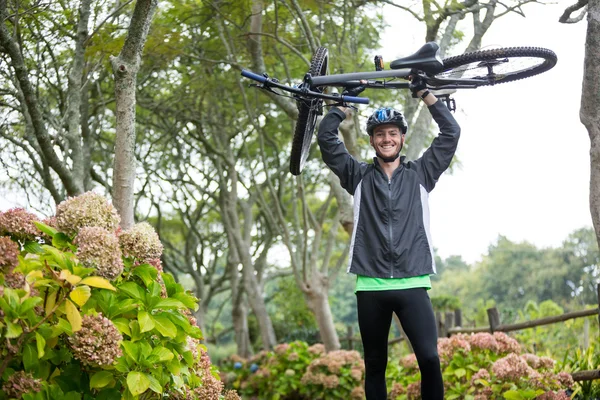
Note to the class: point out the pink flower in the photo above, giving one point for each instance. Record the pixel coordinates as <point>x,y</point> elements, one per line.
<point>88,209</point>
<point>9,254</point>
<point>510,368</point>
<point>317,349</point>
<point>565,379</point>
<point>553,396</point>
<point>506,344</point>
<point>409,361</point>
<point>481,374</point>
<point>358,393</point>
<point>483,341</point>
<point>413,391</point>
<point>18,223</point>
<point>141,243</point>
<point>99,249</point>
<point>97,343</point>
<point>20,383</point>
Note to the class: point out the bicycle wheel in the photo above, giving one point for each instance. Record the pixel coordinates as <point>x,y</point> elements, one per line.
<point>499,65</point>
<point>308,110</point>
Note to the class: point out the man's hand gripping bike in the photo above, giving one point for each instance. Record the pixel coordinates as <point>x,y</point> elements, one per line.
<point>465,71</point>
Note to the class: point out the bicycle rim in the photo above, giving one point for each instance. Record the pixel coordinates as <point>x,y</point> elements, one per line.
<point>307,116</point>
<point>500,65</point>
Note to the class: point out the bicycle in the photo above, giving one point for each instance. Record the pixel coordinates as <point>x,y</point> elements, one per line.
<point>465,71</point>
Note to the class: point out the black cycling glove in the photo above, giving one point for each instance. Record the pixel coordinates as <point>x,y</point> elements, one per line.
<point>416,85</point>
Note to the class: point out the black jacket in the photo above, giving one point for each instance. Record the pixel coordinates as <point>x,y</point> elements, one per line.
<point>391,236</point>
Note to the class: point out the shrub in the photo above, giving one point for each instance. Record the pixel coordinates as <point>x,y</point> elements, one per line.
<point>484,366</point>
<point>82,319</point>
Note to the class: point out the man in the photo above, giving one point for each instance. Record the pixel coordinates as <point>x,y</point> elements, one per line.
<point>391,250</point>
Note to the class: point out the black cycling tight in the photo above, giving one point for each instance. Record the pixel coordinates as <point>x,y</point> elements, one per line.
<point>413,308</point>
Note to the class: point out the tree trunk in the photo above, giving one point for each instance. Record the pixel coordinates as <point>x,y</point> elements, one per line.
<point>74,96</point>
<point>318,301</point>
<point>590,102</point>
<point>125,67</point>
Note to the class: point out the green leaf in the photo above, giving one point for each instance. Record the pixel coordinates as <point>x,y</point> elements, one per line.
<point>13,330</point>
<point>60,240</point>
<point>460,372</point>
<point>41,344</point>
<point>122,325</point>
<point>512,395</point>
<point>154,384</point>
<point>56,255</point>
<point>146,273</point>
<point>133,290</point>
<point>100,379</point>
<point>48,230</point>
<point>33,248</point>
<point>146,322</point>
<point>164,326</point>
<point>28,304</point>
<point>162,354</point>
<point>73,315</point>
<point>169,304</point>
<point>132,350</point>
<point>80,295</point>
<point>189,301</point>
<point>30,357</point>
<point>65,326</point>
<point>137,382</point>
<point>98,282</point>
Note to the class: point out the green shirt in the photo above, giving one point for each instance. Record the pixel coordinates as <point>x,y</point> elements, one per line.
<point>367,283</point>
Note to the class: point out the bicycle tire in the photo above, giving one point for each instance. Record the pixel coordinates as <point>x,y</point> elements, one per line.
<point>509,58</point>
<point>308,110</point>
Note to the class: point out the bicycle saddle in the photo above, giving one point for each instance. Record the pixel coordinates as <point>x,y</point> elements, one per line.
<point>426,59</point>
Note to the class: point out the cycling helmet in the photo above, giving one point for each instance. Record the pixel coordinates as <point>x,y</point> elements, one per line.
<point>386,115</point>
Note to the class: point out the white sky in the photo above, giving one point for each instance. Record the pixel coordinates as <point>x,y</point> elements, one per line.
<point>524,152</point>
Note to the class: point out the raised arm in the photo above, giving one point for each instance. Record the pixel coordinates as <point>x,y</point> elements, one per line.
<point>438,156</point>
<point>334,151</point>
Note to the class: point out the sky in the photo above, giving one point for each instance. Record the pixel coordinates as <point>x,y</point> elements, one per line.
<point>523,151</point>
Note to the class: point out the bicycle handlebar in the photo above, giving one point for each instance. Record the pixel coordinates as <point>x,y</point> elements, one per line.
<point>352,99</point>
<point>267,82</point>
<point>252,75</point>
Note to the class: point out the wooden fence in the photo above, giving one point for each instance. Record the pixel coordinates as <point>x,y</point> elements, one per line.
<point>452,323</point>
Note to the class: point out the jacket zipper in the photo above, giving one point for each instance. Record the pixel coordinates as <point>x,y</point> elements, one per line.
<point>390,227</point>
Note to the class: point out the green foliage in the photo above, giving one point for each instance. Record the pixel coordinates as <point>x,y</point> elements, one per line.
<point>297,371</point>
<point>68,333</point>
<point>584,360</point>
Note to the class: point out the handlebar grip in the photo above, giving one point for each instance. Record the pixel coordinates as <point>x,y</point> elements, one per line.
<point>252,75</point>
<point>352,99</point>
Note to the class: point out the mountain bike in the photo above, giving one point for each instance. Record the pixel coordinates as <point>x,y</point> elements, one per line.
<point>465,71</point>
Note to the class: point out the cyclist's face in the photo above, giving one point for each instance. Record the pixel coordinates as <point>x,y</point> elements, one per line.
<point>387,140</point>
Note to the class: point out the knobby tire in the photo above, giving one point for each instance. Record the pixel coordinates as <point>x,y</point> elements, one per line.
<point>308,110</point>
<point>457,66</point>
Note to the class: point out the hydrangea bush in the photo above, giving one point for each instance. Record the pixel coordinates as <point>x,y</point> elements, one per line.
<point>86,311</point>
<point>297,371</point>
<point>483,366</point>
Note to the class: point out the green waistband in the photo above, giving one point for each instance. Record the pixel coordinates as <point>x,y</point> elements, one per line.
<point>367,283</point>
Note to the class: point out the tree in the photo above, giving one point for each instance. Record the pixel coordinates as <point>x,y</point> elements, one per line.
<point>589,113</point>
<point>125,68</point>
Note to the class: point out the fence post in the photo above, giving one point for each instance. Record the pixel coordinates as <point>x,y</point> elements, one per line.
<point>458,317</point>
<point>350,337</point>
<point>494,318</point>
<point>449,319</point>
<point>440,324</point>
